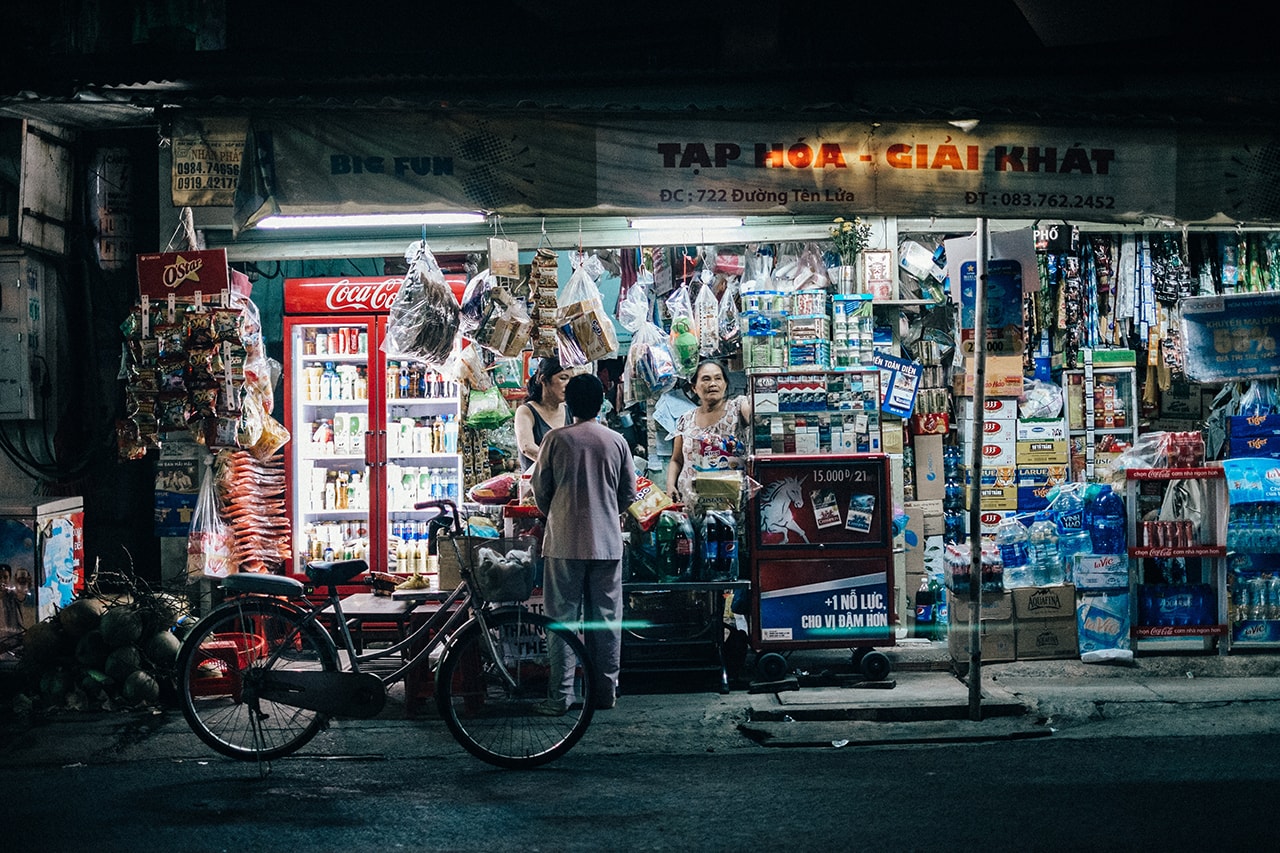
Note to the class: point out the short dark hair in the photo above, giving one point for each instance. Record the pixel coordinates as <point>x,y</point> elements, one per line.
<point>584,395</point>
<point>547,367</point>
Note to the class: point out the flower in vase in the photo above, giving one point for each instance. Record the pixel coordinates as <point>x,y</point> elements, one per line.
<point>850,238</point>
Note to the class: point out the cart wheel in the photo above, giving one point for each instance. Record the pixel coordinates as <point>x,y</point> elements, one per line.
<point>772,666</point>
<point>856,658</point>
<point>875,665</point>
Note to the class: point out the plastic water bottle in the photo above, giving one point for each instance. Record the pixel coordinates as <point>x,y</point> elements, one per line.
<point>1073,538</point>
<point>1107,522</point>
<point>1012,540</point>
<point>1046,562</point>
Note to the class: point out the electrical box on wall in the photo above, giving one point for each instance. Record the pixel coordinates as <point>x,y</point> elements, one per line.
<point>25,350</point>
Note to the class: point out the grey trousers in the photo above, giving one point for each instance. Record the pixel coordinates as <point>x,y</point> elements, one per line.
<point>590,592</point>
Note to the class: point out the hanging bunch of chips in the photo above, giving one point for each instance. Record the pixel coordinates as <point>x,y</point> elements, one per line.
<point>543,286</point>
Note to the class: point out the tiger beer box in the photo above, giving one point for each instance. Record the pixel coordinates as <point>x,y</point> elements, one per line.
<point>996,633</point>
<point>1045,622</point>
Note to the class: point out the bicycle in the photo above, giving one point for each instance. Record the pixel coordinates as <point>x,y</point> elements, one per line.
<point>261,675</point>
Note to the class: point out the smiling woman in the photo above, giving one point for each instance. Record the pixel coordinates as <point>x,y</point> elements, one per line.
<point>711,436</point>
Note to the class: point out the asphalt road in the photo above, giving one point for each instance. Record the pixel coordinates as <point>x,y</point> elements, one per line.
<point>1204,784</point>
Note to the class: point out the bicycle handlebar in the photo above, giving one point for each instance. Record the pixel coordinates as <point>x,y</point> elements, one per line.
<point>448,517</point>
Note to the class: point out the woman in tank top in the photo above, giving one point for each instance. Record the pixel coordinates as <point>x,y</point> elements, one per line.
<point>543,411</point>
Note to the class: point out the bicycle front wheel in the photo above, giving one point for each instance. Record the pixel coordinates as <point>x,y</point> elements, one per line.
<point>231,651</point>
<point>492,678</point>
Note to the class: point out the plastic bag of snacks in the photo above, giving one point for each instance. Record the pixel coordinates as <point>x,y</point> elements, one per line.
<point>486,409</point>
<point>650,369</point>
<point>423,318</point>
<point>650,502</point>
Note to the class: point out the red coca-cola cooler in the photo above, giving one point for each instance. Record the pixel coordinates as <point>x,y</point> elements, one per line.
<point>372,435</point>
<point>822,554</point>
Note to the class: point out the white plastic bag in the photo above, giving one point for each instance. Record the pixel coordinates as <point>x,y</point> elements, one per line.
<point>210,542</point>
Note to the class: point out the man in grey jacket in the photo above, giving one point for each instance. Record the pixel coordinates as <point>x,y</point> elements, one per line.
<point>583,481</point>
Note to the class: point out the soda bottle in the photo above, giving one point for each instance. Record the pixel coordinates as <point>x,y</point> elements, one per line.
<point>1107,522</point>
<point>664,547</point>
<point>710,551</point>
<point>1012,540</point>
<point>925,619</point>
<point>728,547</point>
<point>955,526</point>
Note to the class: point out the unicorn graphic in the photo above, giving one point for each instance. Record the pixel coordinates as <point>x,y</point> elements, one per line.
<point>777,504</point>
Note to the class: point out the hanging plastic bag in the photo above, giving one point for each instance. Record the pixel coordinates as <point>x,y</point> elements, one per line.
<point>584,329</point>
<point>506,326</point>
<point>475,301</point>
<point>1039,400</point>
<point>650,370</point>
<point>705,310</point>
<point>486,409</point>
<point>728,326</point>
<point>423,318</point>
<point>684,334</point>
<point>210,542</point>
<point>633,310</point>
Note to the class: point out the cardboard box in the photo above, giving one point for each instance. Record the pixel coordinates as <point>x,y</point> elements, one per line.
<point>990,519</point>
<point>1052,429</point>
<point>1100,571</point>
<point>1042,453</point>
<point>1003,378</point>
<point>1261,445</point>
<point>993,432</point>
<point>1047,639</point>
<point>1044,602</point>
<point>1045,622</point>
<point>997,409</point>
<point>1033,475</point>
<point>998,490</point>
<point>892,439</point>
<point>1034,498</point>
<point>930,482</point>
<point>997,639</point>
<point>995,454</point>
<point>925,522</point>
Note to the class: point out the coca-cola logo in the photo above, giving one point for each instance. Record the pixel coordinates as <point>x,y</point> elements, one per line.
<point>346,295</point>
<point>181,270</point>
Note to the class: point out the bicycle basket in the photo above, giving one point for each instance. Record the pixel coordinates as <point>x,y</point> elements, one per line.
<point>504,569</point>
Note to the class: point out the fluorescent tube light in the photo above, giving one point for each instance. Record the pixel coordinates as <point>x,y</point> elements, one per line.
<point>369,220</point>
<point>692,223</point>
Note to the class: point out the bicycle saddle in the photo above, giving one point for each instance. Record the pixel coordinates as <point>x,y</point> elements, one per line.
<point>263,584</point>
<point>335,572</point>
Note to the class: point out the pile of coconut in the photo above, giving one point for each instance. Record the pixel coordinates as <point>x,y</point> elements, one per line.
<point>104,652</point>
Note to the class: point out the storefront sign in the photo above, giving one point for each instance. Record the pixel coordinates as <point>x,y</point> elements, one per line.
<point>1231,337</point>
<point>379,162</point>
<point>206,156</point>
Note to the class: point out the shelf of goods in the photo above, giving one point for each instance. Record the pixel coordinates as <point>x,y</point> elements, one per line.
<point>1178,565</point>
<point>1102,418</point>
<point>815,412</point>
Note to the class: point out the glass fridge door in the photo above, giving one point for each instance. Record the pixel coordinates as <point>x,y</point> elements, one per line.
<point>328,395</point>
<point>422,437</point>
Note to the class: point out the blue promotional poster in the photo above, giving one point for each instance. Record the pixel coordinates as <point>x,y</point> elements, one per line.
<point>1231,337</point>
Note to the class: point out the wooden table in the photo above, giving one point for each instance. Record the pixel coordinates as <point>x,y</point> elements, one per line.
<point>367,608</point>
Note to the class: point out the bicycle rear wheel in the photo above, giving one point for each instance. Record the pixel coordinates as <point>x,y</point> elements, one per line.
<point>227,655</point>
<point>494,719</point>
